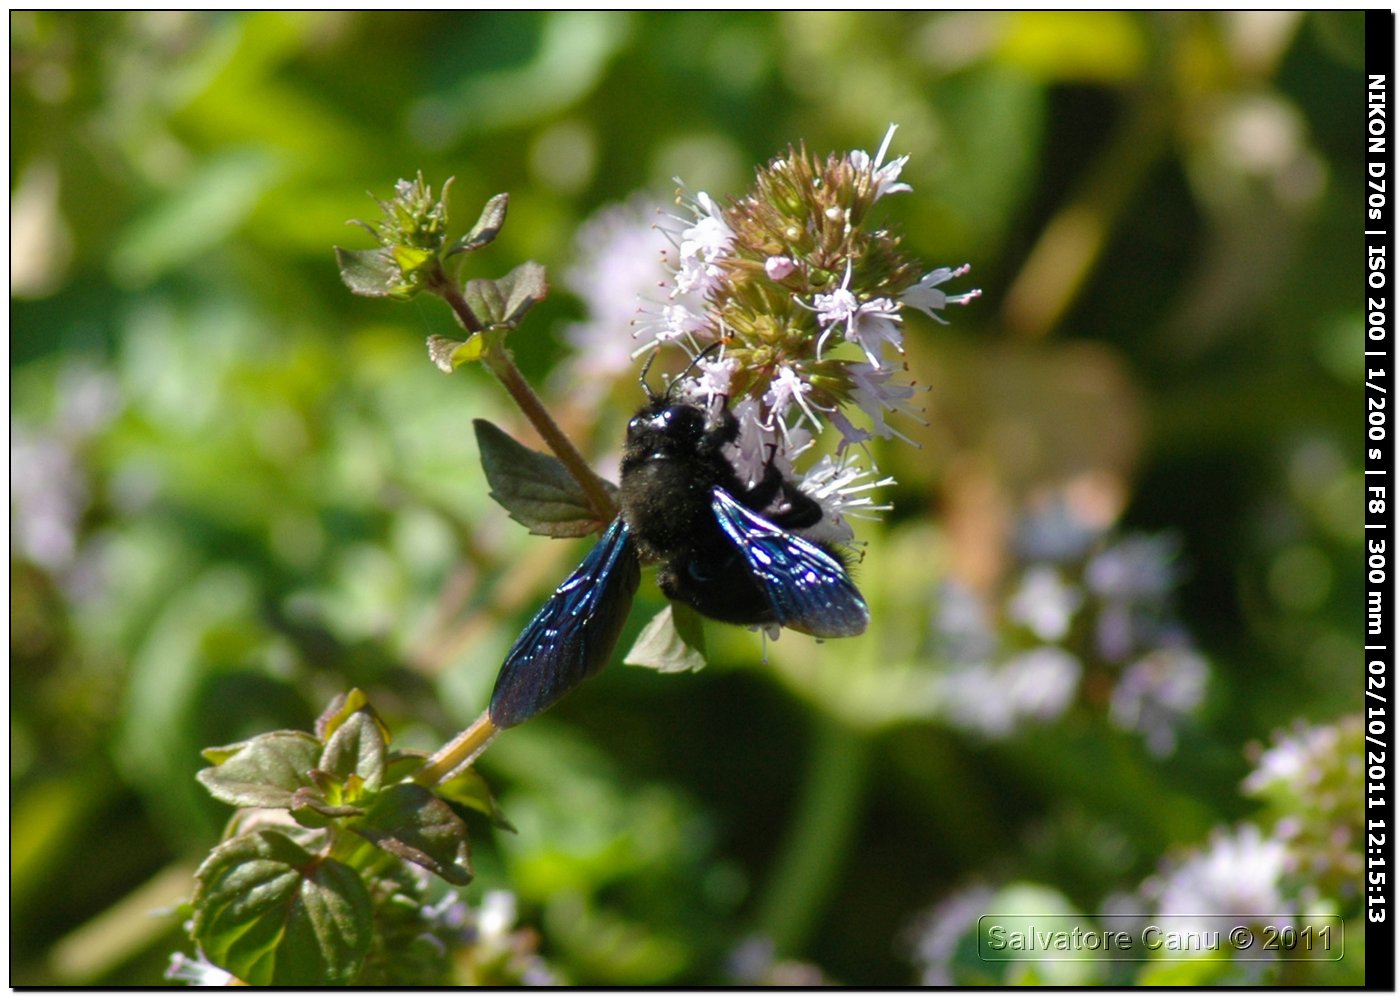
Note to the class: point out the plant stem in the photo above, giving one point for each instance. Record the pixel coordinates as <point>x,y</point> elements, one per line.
<point>461,751</point>
<point>500,362</point>
<point>810,861</point>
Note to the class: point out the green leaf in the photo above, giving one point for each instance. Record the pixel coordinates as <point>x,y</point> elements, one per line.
<point>674,641</point>
<point>522,289</point>
<point>371,273</point>
<point>310,809</point>
<point>340,709</point>
<point>402,764</point>
<point>262,772</point>
<point>485,300</point>
<point>493,216</point>
<point>469,788</point>
<point>409,821</point>
<point>274,914</point>
<point>358,747</point>
<point>449,354</point>
<point>504,302</point>
<point>533,487</point>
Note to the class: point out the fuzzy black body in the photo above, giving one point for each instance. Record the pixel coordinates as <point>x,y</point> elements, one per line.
<point>675,482</point>
<point>724,549</point>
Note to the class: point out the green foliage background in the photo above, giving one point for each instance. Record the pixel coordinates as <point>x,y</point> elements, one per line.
<point>259,492</point>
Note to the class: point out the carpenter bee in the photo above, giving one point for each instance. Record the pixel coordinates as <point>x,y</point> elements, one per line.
<point>724,548</point>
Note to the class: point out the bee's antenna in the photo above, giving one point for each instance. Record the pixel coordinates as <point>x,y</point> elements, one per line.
<point>646,367</point>
<point>691,366</point>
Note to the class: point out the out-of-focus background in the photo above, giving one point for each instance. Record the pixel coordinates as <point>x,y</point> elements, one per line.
<point>1124,555</point>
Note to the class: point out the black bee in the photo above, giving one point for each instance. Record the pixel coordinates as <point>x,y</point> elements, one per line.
<point>725,549</point>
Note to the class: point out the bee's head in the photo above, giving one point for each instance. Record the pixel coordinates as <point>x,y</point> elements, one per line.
<point>667,426</point>
<point>670,424</point>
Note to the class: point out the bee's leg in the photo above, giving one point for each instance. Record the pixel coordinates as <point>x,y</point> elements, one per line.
<point>798,509</point>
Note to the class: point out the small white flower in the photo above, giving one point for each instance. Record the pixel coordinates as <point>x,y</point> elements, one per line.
<point>882,177</point>
<point>496,915</point>
<point>668,324</point>
<point>787,389</point>
<point>1236,874</point>
<point>925,296</point>
<point>196,971</point>
<point>713,377</point>
<point>1045,603</point>
<point>867,324</point>
<point>841,486</point>
<point>877,393</point>
<point>992,699</point>
<point>1295,760</point>
<point>701,244</point>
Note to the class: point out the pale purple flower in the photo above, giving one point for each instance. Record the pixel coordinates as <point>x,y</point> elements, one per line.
<point>992,699</point>
<point>754,963</point>
<point>1055,531</point>
<point>939,932</point>
<point>778,267</point>
<point>48,495</point>
<point>851,434</point>
<point>1296,761</point>
<point>963,621</point>
<point>750,452</point>
<point>925,296</point>
<point>620,255</point>
<point>1136,568</point>
<point>1155,694</point>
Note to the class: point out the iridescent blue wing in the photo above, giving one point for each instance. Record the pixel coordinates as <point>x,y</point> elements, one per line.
<point>807,587</point>
<point>573,635</point>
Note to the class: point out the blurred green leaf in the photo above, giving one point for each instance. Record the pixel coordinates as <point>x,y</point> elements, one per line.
<point>195,217</point>
<point>1081,45</point>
